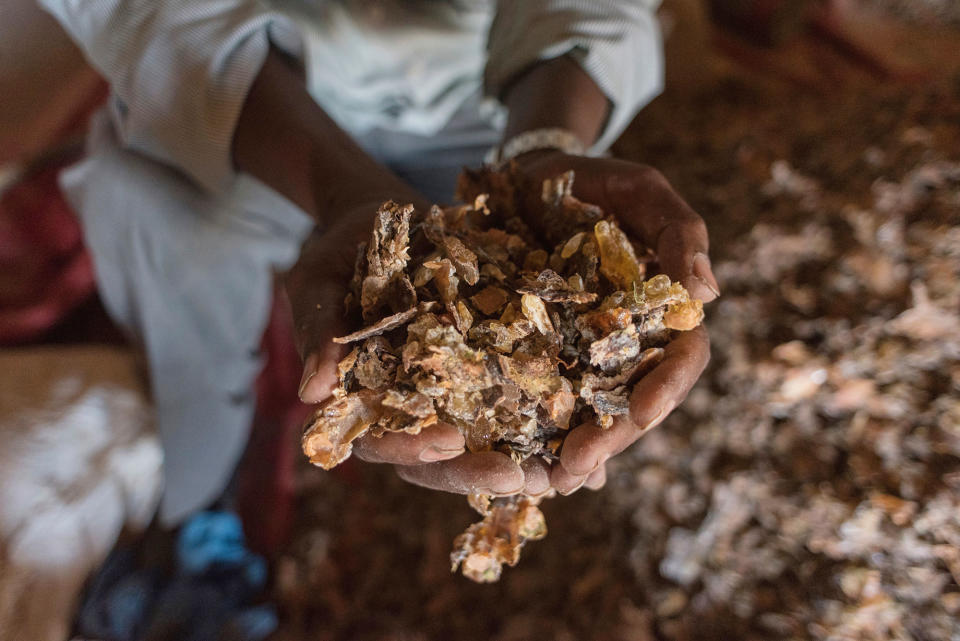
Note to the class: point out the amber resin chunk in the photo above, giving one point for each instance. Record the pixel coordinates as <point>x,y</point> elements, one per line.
<point>466,316</point>
<point>483,549</point>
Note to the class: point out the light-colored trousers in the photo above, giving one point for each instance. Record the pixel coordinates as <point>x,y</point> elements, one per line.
<point>190,277</point>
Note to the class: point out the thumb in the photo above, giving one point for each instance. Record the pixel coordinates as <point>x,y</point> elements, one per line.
<point>316,294</point>
<point>317,329</point>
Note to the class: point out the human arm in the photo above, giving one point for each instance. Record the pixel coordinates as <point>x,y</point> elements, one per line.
<point>616,43</point>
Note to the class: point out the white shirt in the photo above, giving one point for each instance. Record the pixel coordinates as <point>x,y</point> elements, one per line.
<point>180,69</point>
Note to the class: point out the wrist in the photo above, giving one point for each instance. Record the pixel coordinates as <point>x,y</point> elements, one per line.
<point>345,182</point>
<point>556,93</point>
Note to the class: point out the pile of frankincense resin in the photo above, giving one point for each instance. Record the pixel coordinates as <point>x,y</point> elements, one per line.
<point>514,336</point>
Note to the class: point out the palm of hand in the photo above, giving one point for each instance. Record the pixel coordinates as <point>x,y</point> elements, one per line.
<point>646,206</point>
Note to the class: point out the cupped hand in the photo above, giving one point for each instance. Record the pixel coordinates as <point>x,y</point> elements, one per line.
<point>316,287</point>
<point>648,208</point>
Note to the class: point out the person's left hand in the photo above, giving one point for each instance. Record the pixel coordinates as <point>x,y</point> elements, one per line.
<point>316,286</point>
<point>644,203</point>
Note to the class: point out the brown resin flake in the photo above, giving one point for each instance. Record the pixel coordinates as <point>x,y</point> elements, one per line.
<point>552,287</point>
<point>472,321</point>
<point>385,281</point>
<point>490,299</point>
<point>508,523</point>
<point>381,326</point>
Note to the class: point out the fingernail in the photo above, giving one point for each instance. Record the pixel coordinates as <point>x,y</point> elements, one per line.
<point>309,371</point>
<point>701,269</point>
<point>433,454</point>
<point>574,488</point>
<point>662,414</point>
<point>507,491</point>
<point>596,466</point>
<point>547,493</point>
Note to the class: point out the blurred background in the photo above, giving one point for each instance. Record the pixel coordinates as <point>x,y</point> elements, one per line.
<point>807,489</point>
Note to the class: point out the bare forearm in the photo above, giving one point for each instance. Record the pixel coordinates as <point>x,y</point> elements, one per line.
<point>287,141</point>
<point>556,93</point>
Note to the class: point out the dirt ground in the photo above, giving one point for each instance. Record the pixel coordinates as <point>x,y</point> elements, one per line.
<point>809,486</point>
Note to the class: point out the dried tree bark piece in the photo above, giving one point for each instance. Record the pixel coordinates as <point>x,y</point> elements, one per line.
<point>535,260</point>
<point>445,278</point>
<point>380,327</point>
<point>442,353</point>
<point>414,411</point>
<point>496,246</point>
<point>500,336</point>
<point>490,270</point>
<point>615,349</point>
<point>375,366</point>
<point>560,404</point>
<point>462,317</point>
<point>336,423</point>
<point>508,523</point>
<point>553,288</point>
<point>412,403</point>
<point>607,404</point>
<point>490,299</point>
<point>535,375</point>
<point>464,260</point>
<point>386,256</point>
<point>647,361</point>
<point>598,323</point>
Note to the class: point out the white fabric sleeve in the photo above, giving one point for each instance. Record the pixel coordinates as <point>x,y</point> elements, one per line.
<point>179,72</point>
<point>617,42</point>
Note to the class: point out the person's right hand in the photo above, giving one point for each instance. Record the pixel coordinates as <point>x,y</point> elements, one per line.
<point>434,458</point>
